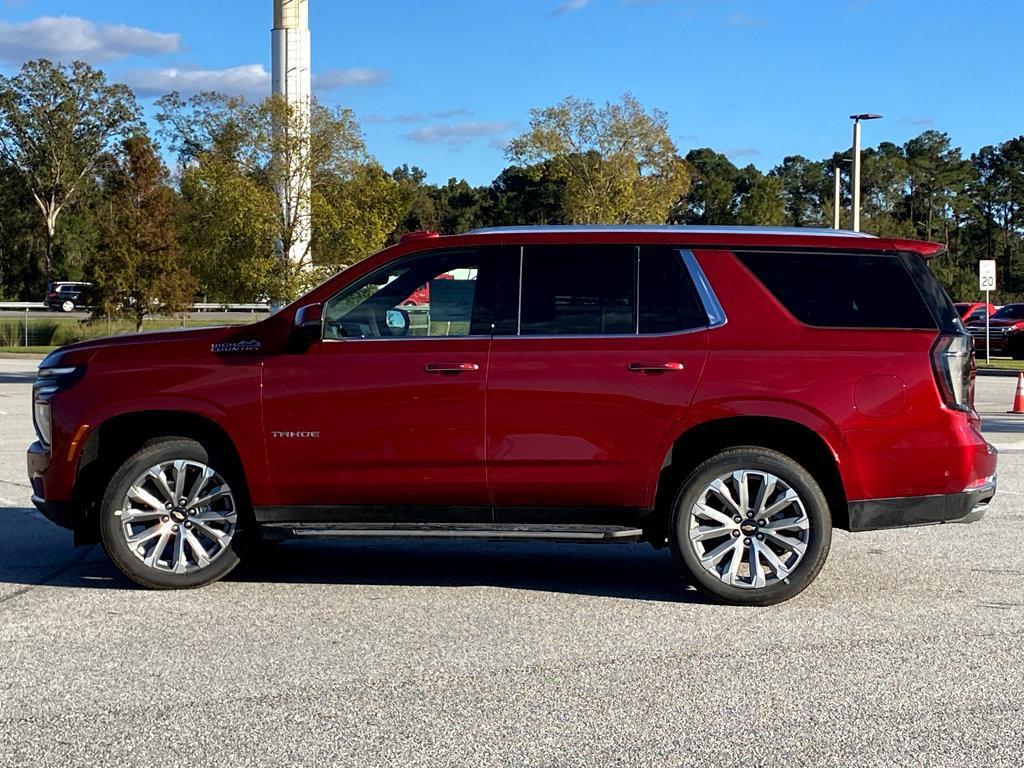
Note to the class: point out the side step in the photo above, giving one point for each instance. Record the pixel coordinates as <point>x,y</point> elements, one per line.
<point>487,531</point>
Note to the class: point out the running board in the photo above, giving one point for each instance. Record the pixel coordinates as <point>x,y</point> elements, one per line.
<point>487,531</point>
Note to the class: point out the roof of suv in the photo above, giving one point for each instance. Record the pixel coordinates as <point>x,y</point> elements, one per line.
<point>721,236</point>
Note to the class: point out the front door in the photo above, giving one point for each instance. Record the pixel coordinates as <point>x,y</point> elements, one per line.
<point>610,346</point>
<point>388,407</point>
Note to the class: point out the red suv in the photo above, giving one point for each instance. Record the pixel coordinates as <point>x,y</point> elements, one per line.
<point>731,393</point>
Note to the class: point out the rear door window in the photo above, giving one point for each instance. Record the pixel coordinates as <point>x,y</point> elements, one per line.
<point>843,290</point>
<point>668,300</point>
<point>578,290</point>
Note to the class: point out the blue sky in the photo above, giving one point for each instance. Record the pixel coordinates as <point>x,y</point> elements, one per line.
<point>444,83</point>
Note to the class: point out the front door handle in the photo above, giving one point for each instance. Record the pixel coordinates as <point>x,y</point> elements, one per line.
<point>654,367</point>
<point>451,368</point>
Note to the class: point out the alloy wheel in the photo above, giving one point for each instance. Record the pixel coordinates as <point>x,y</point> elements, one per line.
<point>179,516</point>
<point>749,528</point>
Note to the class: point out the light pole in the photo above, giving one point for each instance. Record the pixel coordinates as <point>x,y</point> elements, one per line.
<point>856,165</point>
<point>837,195</point>
<point>835,202</point>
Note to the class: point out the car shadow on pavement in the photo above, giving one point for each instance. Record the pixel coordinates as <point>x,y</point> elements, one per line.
<point>1002,423</point>
<point>44,557</point>
<point>615,571</point>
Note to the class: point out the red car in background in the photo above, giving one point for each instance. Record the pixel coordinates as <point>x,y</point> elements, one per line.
<point>974,311</point>
<point>1006,331</point>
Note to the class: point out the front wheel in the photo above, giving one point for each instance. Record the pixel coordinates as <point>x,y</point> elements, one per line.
<point>750,526</point>
<point>175,515</point>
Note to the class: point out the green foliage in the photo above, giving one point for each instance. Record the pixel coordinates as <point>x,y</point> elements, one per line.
<point>138,233</point>
<point>617,162</point>
<point>137,269</point>
<point>240,161</point>
<point>56,124</point>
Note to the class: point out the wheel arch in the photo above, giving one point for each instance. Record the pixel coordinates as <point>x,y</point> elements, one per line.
<point>118,437</point>
<point>789,437</point>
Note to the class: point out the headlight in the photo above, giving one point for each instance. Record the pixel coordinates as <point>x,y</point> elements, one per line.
<point>49,382</point>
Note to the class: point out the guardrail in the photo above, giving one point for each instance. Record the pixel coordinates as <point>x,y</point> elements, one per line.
<point>199,307</point>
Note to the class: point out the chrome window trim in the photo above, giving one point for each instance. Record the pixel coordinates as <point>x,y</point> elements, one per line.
<point>713,308</point>
<point>519,299</point>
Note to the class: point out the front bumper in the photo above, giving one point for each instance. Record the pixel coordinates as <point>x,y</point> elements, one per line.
<point>38,459</point>
<point>57,512</point>
<point>965,507</point>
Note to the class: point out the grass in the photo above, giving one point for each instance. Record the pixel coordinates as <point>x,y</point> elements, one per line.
<point>34,350</point>
<point>1000,363</point>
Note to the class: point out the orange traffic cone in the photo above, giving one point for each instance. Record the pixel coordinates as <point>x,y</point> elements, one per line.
<point>1018,398</point>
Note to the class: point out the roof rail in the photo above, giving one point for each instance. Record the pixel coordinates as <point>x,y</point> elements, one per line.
<point>682,229</point>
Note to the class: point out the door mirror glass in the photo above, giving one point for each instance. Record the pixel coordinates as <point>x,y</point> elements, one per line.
<point>398,321</point>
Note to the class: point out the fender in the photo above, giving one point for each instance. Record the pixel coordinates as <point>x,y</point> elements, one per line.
<point>701,413</point>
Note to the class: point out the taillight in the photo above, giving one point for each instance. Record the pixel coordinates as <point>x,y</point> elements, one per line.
<point>954,367</point>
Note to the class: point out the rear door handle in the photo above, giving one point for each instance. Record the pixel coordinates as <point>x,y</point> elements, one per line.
<point>451,368</point>
<point>653,367</point>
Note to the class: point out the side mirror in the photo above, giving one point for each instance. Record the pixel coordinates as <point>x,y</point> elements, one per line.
<point>398,321</point>
<point>307,326</point>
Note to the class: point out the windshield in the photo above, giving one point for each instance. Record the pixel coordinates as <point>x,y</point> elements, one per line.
<point>1010,312</point>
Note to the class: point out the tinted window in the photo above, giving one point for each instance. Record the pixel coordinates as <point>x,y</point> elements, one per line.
<point>668,299</point>
<point>1009,312</point>
<point>446,293</point>
<point>578,290</point>
<point>843,290</point>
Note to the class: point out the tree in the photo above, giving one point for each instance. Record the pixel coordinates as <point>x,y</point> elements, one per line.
<point>262,148</point>
<point>801,187</point>
<point>713,196</point>
<point>763,203</point>
<point>56,123</point>
<point>618,163</point>
<point>138,268</point>
<point>533,195</point>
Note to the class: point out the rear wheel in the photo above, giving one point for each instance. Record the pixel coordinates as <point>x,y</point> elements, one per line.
<point>175,515</point>
<point>750,526</point>
<point>67,306</point>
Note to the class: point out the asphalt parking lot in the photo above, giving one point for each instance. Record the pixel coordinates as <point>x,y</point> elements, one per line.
<point>909,648</point>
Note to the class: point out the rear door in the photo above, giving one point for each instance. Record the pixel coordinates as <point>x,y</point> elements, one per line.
<point>607,351</point>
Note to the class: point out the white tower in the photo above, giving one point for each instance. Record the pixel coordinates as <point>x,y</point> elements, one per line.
<point>291,79</point>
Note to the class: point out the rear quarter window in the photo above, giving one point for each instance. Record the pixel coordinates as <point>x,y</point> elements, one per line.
<point>840,290</point>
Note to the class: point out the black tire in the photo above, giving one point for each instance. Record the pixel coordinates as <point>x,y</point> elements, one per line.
<point>67,306</point>
<point>112,535</point>
<point>819,533</point>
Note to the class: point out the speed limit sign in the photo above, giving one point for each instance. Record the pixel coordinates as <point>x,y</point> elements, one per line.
<point>987,274</point>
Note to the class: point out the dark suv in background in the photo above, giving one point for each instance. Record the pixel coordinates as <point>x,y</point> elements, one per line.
<point>731,393</point>
<point>68,296</point>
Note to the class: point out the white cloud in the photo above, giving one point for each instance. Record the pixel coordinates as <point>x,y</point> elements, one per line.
<point>70,37</point>
<point>742,152</point>
<point>419,117</point>
<point>458,134</point>
<point>249,80</point>
<point>333,79</point>
<point>922,120</point>
<point>570,6</point>
<point>742,20</point>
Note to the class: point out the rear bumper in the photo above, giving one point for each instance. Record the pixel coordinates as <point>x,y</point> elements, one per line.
<point>965,507</point>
